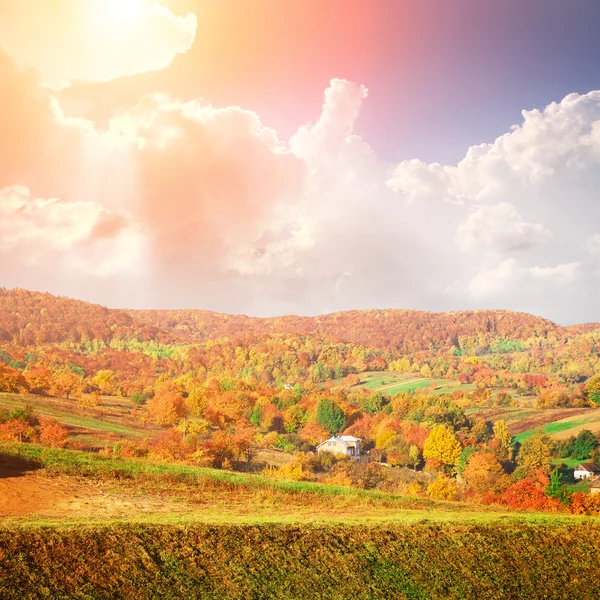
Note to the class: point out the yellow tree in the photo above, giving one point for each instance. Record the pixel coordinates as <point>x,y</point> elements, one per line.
<point>443,488</point>
<point>592,390</point>
<point>485,473</point>
<point>443,446</point>
<point>504,439</point>
<point>106,381</point>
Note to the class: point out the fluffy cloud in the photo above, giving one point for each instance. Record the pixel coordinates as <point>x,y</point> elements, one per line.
<point>499,228</point>
<point>73,235</point>
<point>93,40</point>
<point>179,203</point>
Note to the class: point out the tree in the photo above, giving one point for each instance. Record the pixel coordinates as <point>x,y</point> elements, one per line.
<point>11,380</point>
<point>106,381</point>
<point>66,383</point>
<point>330,416</point>
<point>313,433</point>
<point>504,439</point>
<point>583,445</point>
<point>39,379</point>
<point>443,488</point>
<point>535,455</point>
<point>556,489</point>
<point>52,434</point>
<point>443,446</point>
<point>166,407</point>
<point>466,453</point>
<point>414,455</point>
<point>592,390</point>
<point>483,472</point>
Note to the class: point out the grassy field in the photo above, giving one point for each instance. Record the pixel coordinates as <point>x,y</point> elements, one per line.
<point>562,427</point>
<point>225,495</point>
<point>233,535</point>
<point>94,427</point>
<point>393,383</point>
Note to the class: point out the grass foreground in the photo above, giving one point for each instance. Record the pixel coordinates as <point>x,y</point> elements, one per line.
<point>244,536</point>
<point>278,561</point>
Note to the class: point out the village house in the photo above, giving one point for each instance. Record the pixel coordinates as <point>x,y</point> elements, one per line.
<point>595,487</point>
<point>586,471</point>
<point>344,444</point>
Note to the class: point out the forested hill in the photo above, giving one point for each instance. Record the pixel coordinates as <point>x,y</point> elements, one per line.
<point>33,318</point>
<point>399,329</point>
<point>29,318</point>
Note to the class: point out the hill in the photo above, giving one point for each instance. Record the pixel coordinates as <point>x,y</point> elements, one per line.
<point>33,318</point>
<point>403,330</point>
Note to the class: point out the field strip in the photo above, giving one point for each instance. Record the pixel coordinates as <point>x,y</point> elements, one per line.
<point>397,383</point>
<point>86,422</point>
<point>566,427</point>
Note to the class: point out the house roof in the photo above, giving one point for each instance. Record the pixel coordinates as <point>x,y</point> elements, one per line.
<point>596,484</point>
<point>344,439</point>
<point>588,466</point>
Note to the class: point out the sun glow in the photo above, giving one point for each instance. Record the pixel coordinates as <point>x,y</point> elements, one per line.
<point>119,11</point>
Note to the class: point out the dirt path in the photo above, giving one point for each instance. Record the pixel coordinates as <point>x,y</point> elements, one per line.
<point>29,493</point>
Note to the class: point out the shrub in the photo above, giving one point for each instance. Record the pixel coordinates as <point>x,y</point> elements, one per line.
<point>52,433</point>
<point>443,488</point>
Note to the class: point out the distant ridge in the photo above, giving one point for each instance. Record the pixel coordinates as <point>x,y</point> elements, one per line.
<point>28,318</point>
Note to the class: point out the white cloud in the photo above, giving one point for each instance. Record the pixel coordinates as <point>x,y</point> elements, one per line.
<point>499,228</point>
<point>208,207</point>
<point>593,244</point>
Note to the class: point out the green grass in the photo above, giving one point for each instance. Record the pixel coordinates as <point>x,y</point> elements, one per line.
<point>246,536</point>
<point>550,428</point>
<point>570,463</point>
<point>68,418</point>
<point>580,486</point>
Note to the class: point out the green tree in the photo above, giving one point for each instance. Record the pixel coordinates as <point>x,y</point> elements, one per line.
<point>556,489</point>
<point>535,455</point>
<point>330,416</point>
<point>592,390</point>
<point>583,446</point>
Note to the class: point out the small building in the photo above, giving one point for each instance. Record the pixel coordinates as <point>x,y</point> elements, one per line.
<point>586,471</point>
<point>595,487</point>
<point>288,386</point>
<point>347,445</point>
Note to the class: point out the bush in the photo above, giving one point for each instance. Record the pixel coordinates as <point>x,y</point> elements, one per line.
<point>443,488</point>
<point>52,433</point>
<point>139,398</point>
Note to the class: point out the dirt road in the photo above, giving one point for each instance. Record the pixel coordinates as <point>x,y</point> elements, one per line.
<point>26,493</point>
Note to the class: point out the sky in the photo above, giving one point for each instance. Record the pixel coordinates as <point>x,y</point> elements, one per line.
<point>271,157</point>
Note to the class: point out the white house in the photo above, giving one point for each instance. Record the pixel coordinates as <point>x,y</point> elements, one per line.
<point>586,471</point>
<point>347,445</point>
